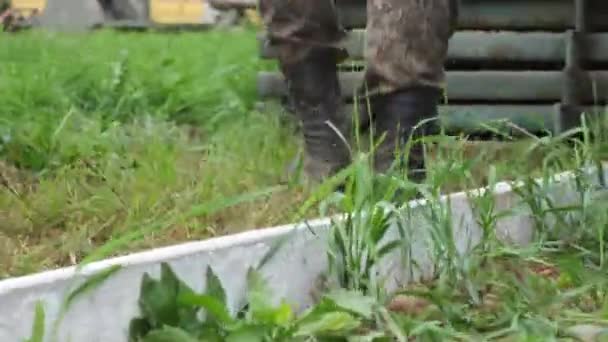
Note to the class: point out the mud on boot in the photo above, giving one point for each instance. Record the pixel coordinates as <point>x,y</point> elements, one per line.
<point>398,116</point>
<point>314,89</point>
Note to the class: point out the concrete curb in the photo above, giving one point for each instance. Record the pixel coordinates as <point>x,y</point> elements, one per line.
<point>103,313</point>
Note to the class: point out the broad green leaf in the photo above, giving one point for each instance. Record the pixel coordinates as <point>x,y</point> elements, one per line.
<point>374,336</point>
<point>214,286</point>
<point>260,307</point>
<point>248,333</point>
<point>354,302</point>
<point>283,315</point>
<point>212,306</point>
<point>138,328</point>
<point>209,333</point>
<point>158,302</point>
<point>172,283</point>
<point>168,278</point>
<point>328,324</point>
<point>169,334</point>
<point>324,306</point>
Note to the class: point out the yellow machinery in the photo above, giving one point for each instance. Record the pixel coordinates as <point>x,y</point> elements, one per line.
<point>95,13</point>
<point>177,11</point>
<point>20,12</point>
<point>27,8</point>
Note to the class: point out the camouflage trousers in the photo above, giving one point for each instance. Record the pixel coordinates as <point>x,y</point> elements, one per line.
<point>407,40</point>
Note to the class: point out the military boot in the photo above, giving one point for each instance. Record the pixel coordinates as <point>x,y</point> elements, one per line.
<point>398,116</point>
<point>315,94</point>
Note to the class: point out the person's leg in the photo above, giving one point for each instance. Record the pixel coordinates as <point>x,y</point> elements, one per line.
<point>306,34</point>
<point>407,44</point>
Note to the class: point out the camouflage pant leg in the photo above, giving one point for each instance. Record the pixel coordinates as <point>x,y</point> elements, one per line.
<point>407,42</point>
<point>298,26</point>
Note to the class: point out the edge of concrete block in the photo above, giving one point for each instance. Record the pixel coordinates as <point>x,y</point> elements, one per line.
<point>103,313</point>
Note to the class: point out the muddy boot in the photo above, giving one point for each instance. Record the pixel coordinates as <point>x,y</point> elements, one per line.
<point>396,115</point>
<point>316,98</point>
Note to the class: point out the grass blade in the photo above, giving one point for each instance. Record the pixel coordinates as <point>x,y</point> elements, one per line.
<point>38,326</point>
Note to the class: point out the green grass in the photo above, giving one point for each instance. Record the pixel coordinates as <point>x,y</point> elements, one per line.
<point>116,142</point>
<point>553,289</point>
<point>105,134</point>
<point>127,141</point>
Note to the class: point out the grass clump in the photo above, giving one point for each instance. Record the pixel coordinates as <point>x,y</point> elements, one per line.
<point>170,312</point>
<point>112,140</point>
<point>105,133</point>
<point>553,288</point>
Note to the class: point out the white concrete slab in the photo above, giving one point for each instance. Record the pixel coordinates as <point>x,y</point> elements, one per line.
<point>104,313</point>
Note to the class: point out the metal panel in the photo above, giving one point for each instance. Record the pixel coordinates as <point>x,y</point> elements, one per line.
<point>482,85</point>
<point>134,10</point>
<point>483,45</point>
<point>517,34</point>
<point>532,118</point>
<point>538,86</point>
<point>500,14</point>
<point>470,118</point>
<point>474,118</point>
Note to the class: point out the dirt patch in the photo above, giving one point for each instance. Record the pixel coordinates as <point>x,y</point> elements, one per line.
<point>17,181</point>
<point>504,290</point>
